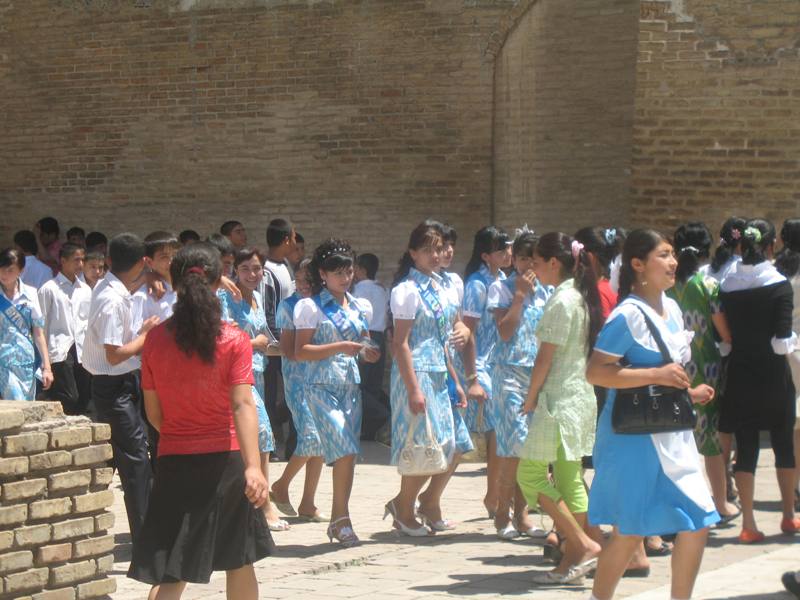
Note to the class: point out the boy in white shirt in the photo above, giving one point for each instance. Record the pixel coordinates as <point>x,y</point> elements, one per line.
<point>160,249</point>
<point>376,405</point>
<point>65,301</point>
<point>111,354</point>
<point>35,273</point>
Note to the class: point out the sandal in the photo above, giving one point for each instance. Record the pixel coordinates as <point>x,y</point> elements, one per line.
<point>343,534</point>
<point>279,525</point>
<point>440,525</point>
<point>317,517</point>
<point>750,536</point>
<point>663,550</point>
<point>285,507</point>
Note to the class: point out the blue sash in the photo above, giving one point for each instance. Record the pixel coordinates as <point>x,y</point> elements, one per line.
<point>291,302</point>
<point>11,313</point>
<point>431,300</point>
<point>346,328</point>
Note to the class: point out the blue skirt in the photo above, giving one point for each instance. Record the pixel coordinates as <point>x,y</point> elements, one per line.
<point>266,441</point>
<point>308,442</point>
<point>509,388</point>
<point>336,409</point>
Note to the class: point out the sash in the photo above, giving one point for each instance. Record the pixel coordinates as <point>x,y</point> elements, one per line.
<point>16,318</point>
<point>346,328</point>
<point>291,302</point>
<point>431,300</point>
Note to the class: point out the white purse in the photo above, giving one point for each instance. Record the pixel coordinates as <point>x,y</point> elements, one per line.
<point>421,459</point>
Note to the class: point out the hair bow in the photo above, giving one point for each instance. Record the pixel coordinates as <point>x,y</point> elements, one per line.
<point>576,249</point>
<point>736,234</point>
<point>753,233</point>
<point>611,235</point>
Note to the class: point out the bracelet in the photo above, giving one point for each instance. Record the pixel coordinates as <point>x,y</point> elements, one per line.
<point>472,378</point>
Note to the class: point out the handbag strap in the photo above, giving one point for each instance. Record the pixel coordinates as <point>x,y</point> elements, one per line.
<point>657,337</point>
<point>428,428</point>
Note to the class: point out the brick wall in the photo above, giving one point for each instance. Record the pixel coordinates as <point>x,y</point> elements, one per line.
<point>55,541</point>
<point>564,91</point>
<point>358,118</point>
<point>717,127</point>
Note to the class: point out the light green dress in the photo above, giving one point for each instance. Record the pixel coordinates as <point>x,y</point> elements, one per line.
<point>567,410</point>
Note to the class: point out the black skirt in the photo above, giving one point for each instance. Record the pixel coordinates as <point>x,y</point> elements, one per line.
<point>198,521</point>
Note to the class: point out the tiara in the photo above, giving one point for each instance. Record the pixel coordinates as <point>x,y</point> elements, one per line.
<point>336,250</point>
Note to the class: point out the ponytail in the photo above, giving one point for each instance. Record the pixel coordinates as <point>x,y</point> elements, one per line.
<point>729,239</point>
<point>197,317</point>
<point>758,235</point>
<point>692,243</point>
<point>788,260</point>
<point>403,267</point>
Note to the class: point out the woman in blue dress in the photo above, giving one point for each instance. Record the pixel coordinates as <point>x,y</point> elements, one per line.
<point>517,303</point>
<point>308,452</point>
<point>22,342</point>
<point>331,330</point>
<point>423,322</point>
<point>647,484</point>
<point>248,314</point>
<point>491,252</point>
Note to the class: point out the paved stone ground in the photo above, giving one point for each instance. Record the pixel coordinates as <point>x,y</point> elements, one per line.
<point>470,561</point>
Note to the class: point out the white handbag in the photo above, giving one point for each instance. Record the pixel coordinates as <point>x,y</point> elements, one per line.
<point>421,459</point>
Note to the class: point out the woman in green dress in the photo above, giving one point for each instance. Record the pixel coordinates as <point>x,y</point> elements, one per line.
<point>697,294</point>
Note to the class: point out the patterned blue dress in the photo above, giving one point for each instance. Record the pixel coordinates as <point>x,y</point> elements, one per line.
<point>476,294</point>
<point>308,442</point>
<point>253,322</point>
<point>17,353</point>
<point>430,366</point>
<point>454,292</point>
<point>512,364</point>
<point>332,385</point>
<point>646,484</point>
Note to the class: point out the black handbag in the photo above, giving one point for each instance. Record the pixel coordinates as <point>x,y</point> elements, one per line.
<point>653,408</point>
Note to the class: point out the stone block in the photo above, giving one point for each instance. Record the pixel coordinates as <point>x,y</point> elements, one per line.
<point>47,509</point>
<point>73,437</point>
<point>94,501</point>
<point>72,573</point>
<point>19,490</point>
<point>67,593</point>
<point>13,515</point>
<point>54,553</point>
<point>102,476</point>
<point>6,540</point>
<point>105,563</point>
<point>16,561</point>
<point>93,546</point>
<point>69,480</point>
<point>24,443</point>
<point>72,528</point>
<point>13,466</point>
<point>97,589</point>
<point>33,579</point>
<point>11,418</point>
<point>104,522</point>
<point>33,535</point>
<point>101,432</point>
<point>50,460</point>
<point>91,455</point>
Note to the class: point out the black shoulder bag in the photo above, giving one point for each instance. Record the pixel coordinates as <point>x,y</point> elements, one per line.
<point>653,408</point>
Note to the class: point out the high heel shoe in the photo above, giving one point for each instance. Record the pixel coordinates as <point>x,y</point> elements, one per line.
<point>440,525</point>
<point>389,509</point>
<point>420,531</point>
<point>344,534</point>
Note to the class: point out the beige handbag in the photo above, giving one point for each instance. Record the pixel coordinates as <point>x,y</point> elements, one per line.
<point>421,459</point>
<point>479,452</point>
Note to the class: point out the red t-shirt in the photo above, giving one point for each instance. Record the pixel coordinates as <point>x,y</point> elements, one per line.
<point>195,396</point>
<point>608,297</point>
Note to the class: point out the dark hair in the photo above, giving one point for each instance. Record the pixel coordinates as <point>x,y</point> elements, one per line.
<point>370,263</point>
<point>228,226</point>
<point>488,239</point>
<point>246,254</point>
<point>26,240</point>
<point>94,239</point>
<point>638,244</point>
<point>188,235</point>
<point>68,250</point>
<point>330,255</point>
<point>158,240</point>
<point>758,235</point>
<point>298,238</point>
<point>449,234</point>
<point>277,231</point>
<point>223,245</point>
<point>729,238</point>
<point>421,236</point>
<point>48,225</point>
<point>525,244</point>
<point>197,317</point>
<point>602,243</point>
<point>692,242</point>
<point>12,256</point>
<point>94,255</point>
<point>76,231</point>
<point>559,246</point>
<point>124,251</point>
<point>788,259</point>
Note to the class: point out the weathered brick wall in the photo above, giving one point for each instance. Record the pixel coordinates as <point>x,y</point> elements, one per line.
<point>55,541</point>
<point>717,127</point>
<point>564,92</point>
<point>353,117</point>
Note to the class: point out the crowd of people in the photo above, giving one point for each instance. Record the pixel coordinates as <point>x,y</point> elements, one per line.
<point>630,353</point>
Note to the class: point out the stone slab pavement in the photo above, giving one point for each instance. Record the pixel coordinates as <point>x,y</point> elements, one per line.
<point>470,561</point>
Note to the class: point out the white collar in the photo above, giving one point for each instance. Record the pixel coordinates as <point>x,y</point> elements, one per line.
<point>677,343</point>
<point>116,284</point>
<point>748,277</point>
<point>22,291</point>
<point>62,280</point>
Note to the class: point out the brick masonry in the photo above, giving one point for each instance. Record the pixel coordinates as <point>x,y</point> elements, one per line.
<point>54,517</point>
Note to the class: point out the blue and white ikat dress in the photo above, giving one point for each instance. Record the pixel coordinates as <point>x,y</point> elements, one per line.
<point>17,351</point>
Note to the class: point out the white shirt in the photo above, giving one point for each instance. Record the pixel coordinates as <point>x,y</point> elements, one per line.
<point>36,273</point>
<point>374,293</point>
<point>145,305</point>
<point>25,295</point>
<point>65,306</point>
<point>110,322</point>
<point>280,272</point>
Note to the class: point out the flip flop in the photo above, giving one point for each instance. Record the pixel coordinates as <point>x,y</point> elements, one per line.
<point>315,518</point>
<point>279,525</point>
<point>663,550</point>
<point>285,507</point>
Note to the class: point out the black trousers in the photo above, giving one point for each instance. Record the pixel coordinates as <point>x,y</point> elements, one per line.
<point>748,446</point>
<point>119,403</point>
<point>376,405</point>
<point>72,385</point>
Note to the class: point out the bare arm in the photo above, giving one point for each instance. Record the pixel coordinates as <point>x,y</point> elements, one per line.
<point>405,364</point>
<point>41,345</point>
<point>152,407</point>
<point>604,370</point>
<point>721,325</point>
<point>468,355</point>
<point>245,420</point>
<point>305,350</point>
